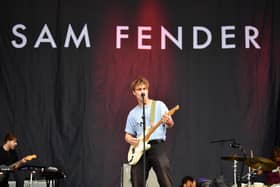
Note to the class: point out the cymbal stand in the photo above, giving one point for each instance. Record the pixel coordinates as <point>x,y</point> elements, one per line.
<point>249,176</point>
<point>31,178</point>
<point>235,172</point>
<point>250,170</point>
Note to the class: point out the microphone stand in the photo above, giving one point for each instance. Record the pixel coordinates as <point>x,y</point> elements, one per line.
<point>244,154</point>
<point>144,130</point>
<point>221,144</point>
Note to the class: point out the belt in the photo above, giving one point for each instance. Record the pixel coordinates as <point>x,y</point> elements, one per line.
<point>156,141</point>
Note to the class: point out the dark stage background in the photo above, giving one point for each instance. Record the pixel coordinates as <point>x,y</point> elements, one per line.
<point>69,105</point>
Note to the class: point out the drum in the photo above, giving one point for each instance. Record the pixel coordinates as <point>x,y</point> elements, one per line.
<point>258,184</point>
<point>275,185</point>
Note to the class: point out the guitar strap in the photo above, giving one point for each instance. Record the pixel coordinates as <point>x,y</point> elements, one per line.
<point>152,115</point>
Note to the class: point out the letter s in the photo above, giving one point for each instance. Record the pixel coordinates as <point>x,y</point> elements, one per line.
<point>19,35</point>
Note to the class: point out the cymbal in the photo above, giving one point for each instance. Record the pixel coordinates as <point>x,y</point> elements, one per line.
<point>233,157</point>
<point>261,163</point>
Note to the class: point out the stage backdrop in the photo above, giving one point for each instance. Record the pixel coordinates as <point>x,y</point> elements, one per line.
<point>66,68</point>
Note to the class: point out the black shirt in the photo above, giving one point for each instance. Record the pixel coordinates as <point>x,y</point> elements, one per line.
<point>6,158</point>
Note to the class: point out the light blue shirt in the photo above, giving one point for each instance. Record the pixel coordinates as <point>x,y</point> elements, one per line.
<point>134,122</point>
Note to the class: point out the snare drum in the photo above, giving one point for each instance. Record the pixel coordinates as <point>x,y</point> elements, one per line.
<point>258,184</point>
<point>275,185</point>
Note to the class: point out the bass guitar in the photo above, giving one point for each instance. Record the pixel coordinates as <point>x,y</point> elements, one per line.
<point>4,169</point>
<point>136,152</point>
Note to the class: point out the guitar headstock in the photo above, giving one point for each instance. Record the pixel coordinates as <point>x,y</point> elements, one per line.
<point>173,110</point>
<point>30,157</point>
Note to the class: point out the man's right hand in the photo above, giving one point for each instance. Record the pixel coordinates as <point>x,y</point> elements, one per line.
<point>131,140</point>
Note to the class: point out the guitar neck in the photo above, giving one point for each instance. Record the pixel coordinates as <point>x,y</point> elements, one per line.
<point>152,130</point>
<point>22,161</point>
<point>154,127</point>
<point>16,164</point>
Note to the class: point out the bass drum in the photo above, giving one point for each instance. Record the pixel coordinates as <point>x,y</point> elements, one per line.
<point>258,184</point>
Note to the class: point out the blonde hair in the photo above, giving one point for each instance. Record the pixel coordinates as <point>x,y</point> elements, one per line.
<point>138,81</point>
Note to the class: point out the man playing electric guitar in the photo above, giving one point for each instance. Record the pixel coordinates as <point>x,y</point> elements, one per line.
<point>8,156</point>
<point>156,156</point>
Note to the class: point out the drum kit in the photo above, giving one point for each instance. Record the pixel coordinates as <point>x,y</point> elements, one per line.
<point>255,165</point>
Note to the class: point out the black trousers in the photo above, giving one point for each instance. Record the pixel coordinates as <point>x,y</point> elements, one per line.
<point>4,184</point>
<point>18,176</point>
<point>156,158</point>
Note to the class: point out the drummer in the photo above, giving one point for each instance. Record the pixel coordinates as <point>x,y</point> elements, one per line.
<point>273,177</point>
<point>188,181</point>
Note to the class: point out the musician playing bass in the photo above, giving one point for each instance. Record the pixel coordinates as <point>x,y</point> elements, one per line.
<point>156,156</point>
<point>8,156</point>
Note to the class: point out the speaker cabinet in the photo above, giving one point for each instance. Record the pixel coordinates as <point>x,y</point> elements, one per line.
<point>125,180</point>
<point>35,183</point>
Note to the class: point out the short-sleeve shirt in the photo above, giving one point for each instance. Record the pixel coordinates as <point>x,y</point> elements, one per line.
<point>134,122</point>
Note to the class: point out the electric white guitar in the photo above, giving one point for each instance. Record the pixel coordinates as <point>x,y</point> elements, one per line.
<point>136,152</point>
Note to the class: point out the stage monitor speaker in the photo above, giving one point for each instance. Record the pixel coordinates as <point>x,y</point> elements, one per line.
<point>125,180</point>
<point>35,183</point>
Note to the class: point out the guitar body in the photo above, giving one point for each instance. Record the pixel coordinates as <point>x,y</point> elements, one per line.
<point>135,153</point>
<point>4,169</point>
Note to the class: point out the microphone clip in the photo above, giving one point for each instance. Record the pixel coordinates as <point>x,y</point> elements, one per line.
<point>235,145</point>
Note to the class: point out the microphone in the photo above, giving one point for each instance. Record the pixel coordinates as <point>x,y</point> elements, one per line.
<point>235,145</point>
<point>142,94</point>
